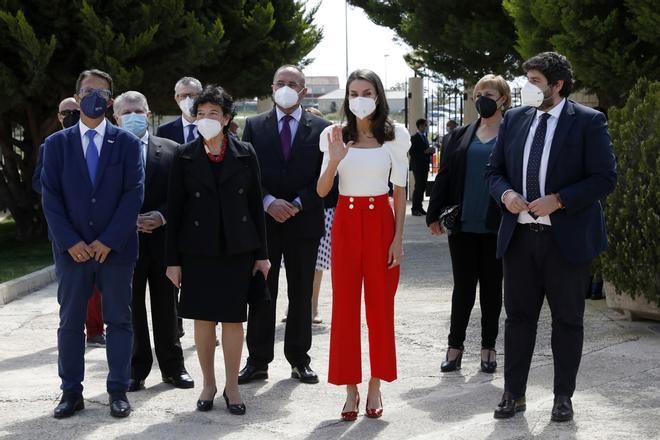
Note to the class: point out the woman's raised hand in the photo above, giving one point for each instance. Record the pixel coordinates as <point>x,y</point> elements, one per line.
<point>336,147</point>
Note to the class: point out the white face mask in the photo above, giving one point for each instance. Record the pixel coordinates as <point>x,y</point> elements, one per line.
<point>362,107</point>
<point>209,128</point>
<point>285,97</point>
<point>532,95</point>
<point>186,105</point>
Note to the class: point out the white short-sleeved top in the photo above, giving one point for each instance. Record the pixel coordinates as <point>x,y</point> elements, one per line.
<point>365,171</point>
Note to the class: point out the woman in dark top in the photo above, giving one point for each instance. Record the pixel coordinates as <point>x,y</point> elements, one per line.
<point>216,238</point>
<point>472,242</point>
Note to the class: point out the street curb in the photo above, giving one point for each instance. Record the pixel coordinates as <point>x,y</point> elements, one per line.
<point>13,289</point>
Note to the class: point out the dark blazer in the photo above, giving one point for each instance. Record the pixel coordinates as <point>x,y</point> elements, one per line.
<point>194,212</point>
<point>172,131</point>
<point>449,186</point>
<point>581,169</point>
<point>419,160</point>
<point>295,177</point>
<point>77,209</point>
<point>160,154</point>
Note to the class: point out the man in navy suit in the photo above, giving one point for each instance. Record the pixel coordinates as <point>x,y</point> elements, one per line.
<point>286,140</point>
<point>551,164</point>
<point>92,190</point>
<point>184,128</point>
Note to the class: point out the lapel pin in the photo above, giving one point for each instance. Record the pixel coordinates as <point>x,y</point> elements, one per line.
<point>111,141</point>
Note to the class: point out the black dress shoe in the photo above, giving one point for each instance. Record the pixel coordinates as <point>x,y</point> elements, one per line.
<point>69,404</point>
<point>418,213</point>
<point>250,373</point>
<point>489,366</point>
<point>454,364</point>
<point>180,380</point>
<point>237,409</point>
<point>135,385</point>
<point>119,406</point>
<point>206,405</point>
<point>562,409</point>
<point>508,406</point>
<point>304,374</point>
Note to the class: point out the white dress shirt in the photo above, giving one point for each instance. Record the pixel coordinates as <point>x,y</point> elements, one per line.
<point>185,128</point>
<point>98,137</point>
<point>293,126</point>
<point>554,113</point>
<point>365,172</point>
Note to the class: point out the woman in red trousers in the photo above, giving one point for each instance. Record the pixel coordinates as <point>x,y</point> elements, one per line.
<point>367,236</point>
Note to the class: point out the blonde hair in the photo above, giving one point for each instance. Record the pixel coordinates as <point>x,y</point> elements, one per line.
<point>495,82</point>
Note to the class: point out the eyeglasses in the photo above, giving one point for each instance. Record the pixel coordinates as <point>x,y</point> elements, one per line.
<point>104,93</point>
<point>292,84</point>
<point>187,95</point>
<point>66,113</point>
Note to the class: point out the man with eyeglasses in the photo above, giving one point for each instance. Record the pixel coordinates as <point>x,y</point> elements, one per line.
<point>184,128</point>
<point>92,189</point>
<point>68,115</point>
<point>286,140</point>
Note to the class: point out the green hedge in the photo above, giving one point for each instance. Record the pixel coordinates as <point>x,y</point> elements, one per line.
<point>632,262</point>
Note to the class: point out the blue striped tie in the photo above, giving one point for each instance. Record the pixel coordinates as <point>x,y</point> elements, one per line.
<point>92,156</point>
<point>534,161</point>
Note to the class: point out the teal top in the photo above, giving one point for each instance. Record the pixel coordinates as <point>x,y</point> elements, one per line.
<point>476,197</point>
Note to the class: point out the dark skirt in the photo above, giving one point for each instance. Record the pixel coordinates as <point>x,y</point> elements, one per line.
<point>215,288</point>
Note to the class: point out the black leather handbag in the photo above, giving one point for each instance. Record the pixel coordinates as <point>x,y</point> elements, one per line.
<point>449,217</point>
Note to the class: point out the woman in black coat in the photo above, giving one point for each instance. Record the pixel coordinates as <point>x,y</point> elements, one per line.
<point>473,240</point>
<point>216,238</point>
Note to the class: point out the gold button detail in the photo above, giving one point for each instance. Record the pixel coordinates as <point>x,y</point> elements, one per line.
<point>351,199</point>
<point>371,199</point>
<point>371,206</point>
<point>350,206</point>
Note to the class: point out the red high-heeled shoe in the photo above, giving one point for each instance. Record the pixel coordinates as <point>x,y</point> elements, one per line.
<point>349,416</point>
<point>374,413</point>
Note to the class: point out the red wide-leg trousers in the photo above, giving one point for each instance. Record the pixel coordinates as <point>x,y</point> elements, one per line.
<point>362,233</point>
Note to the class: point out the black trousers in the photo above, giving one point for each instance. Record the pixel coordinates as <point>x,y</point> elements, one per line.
<point>162,294</point>
<point>534,268</point>
<point>421,177</point>
<point>300,264</point>
<point>473,260</point>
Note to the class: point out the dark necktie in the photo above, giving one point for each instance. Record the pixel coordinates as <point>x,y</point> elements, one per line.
<point>534,160</point>
<point>191,133</point>
<point>285,136</point>
<point>92,156</point>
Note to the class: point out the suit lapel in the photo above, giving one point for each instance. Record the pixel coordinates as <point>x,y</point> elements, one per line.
<point>304,126</point>
<point>520,138</point>
<point>153,158</point>
<point>200,166</point>
<point>272,128</point>
<point>232,163</point>
<point>106,151</point>
<point>566,119</point>
<point>178,125</point>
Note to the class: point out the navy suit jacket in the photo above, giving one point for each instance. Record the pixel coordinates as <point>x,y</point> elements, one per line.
<point>294,177</point>
<point>77,209</point>
<point>172,131</point>
<point>581,169</point>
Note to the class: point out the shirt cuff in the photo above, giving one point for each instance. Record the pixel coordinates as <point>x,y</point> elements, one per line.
<point>268,199</point>
<point>504,194</point>
<point>162,217</point>
<point>297,200</point>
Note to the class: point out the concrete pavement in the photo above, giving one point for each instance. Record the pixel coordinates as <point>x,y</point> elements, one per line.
<point>618,394</point>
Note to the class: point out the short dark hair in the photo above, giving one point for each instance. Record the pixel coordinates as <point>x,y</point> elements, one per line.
<point>420,122</point>
<point>381,125</point>
<point>213,94</point>
<point>554,67</point>
<point>97,73</point>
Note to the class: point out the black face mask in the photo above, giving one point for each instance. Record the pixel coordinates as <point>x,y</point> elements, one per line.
<point>485,106</point>
<point>71,118</point>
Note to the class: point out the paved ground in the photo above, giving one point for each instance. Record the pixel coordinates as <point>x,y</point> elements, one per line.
<point>618,388</point>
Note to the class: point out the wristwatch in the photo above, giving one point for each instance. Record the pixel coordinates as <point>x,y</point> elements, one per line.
<point>297,204</point>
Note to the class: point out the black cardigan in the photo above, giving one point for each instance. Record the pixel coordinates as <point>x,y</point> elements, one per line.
<point>449,184</point>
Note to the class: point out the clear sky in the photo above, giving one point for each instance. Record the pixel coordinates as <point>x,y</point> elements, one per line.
<point>369,46</point>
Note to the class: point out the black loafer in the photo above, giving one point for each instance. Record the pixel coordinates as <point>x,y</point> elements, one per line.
<point>119,406</point>
<point>508,406</point>
<point>69,404</point>
<point>562,409</point>
<point>304,374</point>
<point>135,385</point>
<point>250,373</point>
<point>180,380</point>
